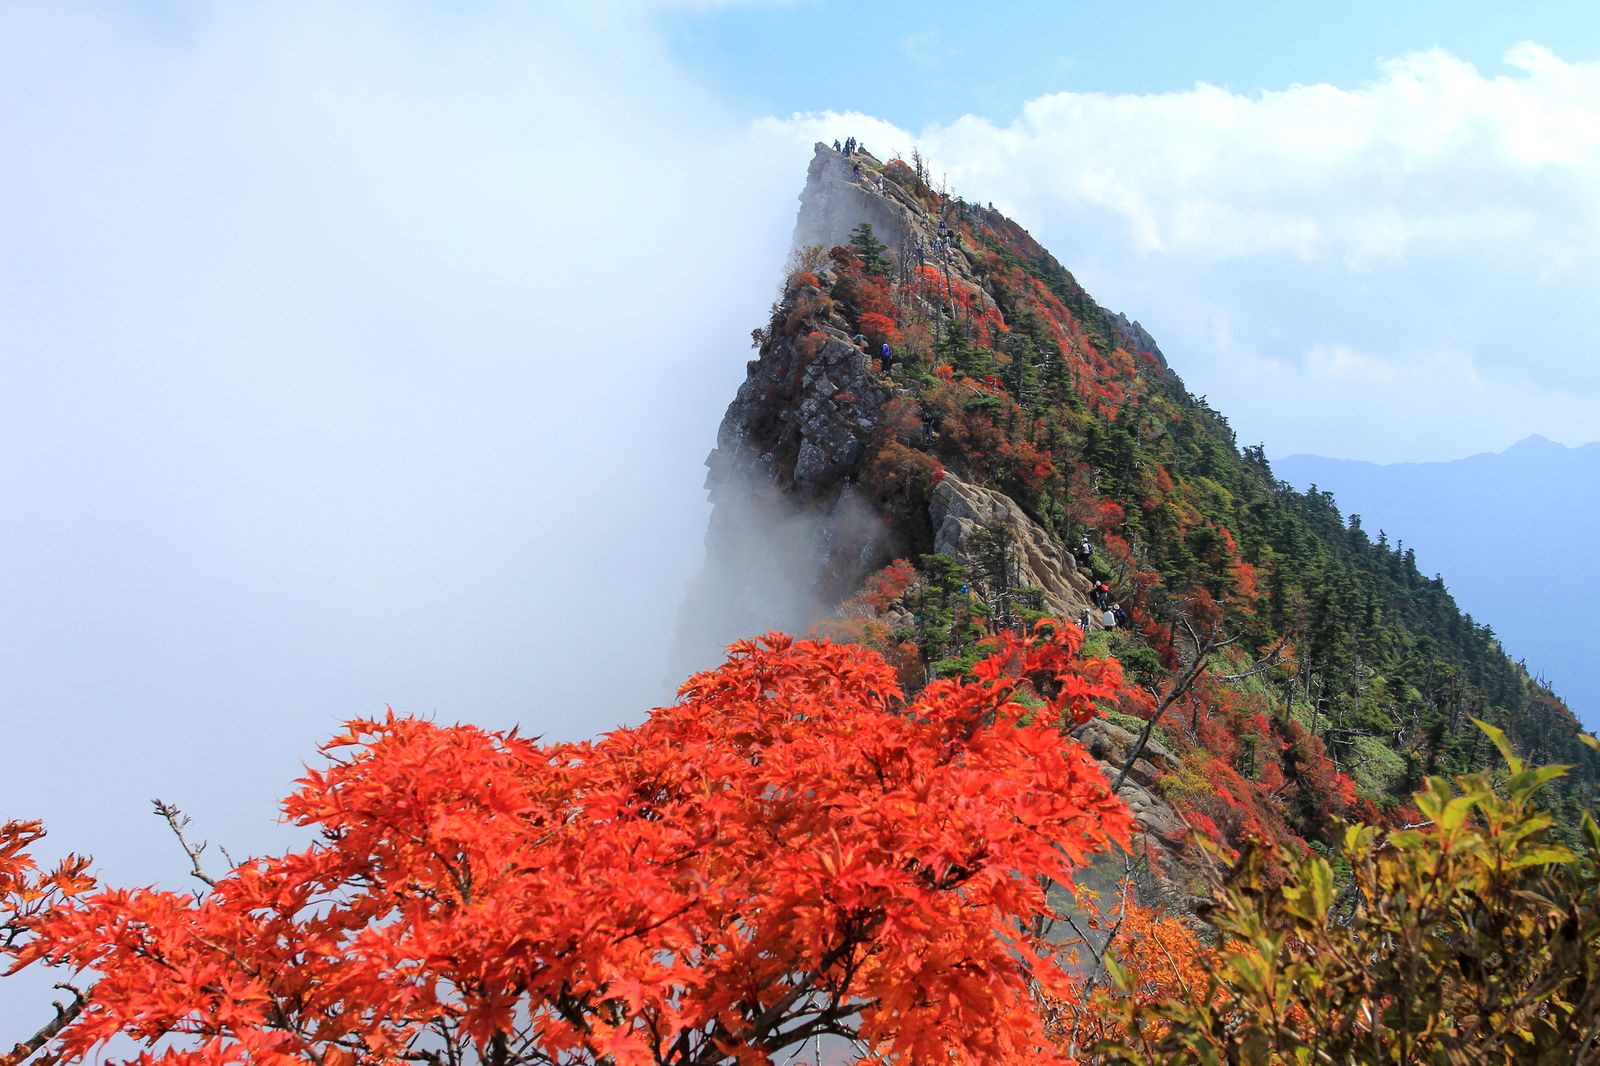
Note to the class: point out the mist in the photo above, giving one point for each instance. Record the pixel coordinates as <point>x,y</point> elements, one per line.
<point>351,360</point>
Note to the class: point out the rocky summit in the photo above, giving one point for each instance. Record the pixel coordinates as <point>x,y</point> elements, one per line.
<point>944,438</point>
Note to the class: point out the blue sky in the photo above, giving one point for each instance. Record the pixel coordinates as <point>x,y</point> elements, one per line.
<point>1324,214</point>
<point>368,354</point>
<point>920,63</point>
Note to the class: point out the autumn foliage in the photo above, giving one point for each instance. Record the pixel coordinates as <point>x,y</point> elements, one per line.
<point>790,850</point>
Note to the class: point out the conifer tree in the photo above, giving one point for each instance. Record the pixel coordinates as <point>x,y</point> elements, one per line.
<point>872,251</point>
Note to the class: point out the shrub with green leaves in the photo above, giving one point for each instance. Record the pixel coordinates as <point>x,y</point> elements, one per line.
<point>1472,937</point>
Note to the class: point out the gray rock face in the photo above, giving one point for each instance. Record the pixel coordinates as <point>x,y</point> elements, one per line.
<point>1138,338</point>
<point>834,202</point>
<point>1162,837</point>
<point>790,533</point>
<point>959,509</point>
<point>1110,741</point>
<point>801,420</point>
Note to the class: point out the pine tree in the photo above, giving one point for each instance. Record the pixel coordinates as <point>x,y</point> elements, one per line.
<point>870,249</point>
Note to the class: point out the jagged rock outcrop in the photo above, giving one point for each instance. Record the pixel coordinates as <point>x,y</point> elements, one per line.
<point>960,509</point>
<point>1164,837</point>
<point>836,201</point>
<point>792,531</point>
<point>1138,338</point>
<point>794,438</point>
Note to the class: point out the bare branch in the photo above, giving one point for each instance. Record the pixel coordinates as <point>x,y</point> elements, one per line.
<point>1261,665</point>
<point>30,1047</point>
<point>1190,675</point>
<point>178,821</point>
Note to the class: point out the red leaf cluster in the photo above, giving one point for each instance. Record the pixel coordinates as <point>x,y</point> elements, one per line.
<point>788,850</point>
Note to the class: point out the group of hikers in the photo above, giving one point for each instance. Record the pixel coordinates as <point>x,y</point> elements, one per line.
<point>1110,615</point>
<point>851,148</point>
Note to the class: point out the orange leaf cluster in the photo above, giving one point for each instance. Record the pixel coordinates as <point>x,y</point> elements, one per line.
<point>790,850</point>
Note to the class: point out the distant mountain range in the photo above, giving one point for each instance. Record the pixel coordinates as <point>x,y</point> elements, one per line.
<point>1513,534</point>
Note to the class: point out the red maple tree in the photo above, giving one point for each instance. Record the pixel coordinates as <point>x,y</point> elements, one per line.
<point>790,850</point>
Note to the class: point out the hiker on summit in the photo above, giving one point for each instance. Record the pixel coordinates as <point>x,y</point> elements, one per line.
<point>836,147</point>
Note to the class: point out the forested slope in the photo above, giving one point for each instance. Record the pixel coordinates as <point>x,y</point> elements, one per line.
<point>1302,673</point>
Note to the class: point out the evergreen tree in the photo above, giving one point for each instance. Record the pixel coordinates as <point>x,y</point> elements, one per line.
<point>873,252</point>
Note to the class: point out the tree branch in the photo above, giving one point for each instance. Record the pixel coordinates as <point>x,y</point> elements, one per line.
<point>64,1016</point>
<point>178,821</point>
<point>1190,674</point>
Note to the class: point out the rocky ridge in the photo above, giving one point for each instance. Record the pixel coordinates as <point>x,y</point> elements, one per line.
<point>793,533</point>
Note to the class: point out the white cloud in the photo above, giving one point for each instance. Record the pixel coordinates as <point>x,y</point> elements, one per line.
<point>1438,208</point>
<point>1344,364</point>
<point>351,357</point>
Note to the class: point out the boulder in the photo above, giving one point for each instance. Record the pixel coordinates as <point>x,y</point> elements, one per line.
<point>958,509</point>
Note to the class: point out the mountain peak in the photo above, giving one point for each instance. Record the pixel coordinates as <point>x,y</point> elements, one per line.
<point>944,438</point>
<point>1534,443</point>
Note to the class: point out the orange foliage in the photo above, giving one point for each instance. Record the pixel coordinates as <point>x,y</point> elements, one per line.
<point>888,584</point>
<point>1161,959</point>
<point>786,847</point>
<point>26,893</point>
<point>900,419</point>
<point>1245,593</point>
<point>1023,468</point>
<point>879,329</point>
<point>901,479</point>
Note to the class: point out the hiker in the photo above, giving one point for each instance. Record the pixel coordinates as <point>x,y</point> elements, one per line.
<point>886,356</point>
<point>1108,619</point>
<point>927,425</point>
<point>1083,619</point>
<point>1085,551</point>
<point>860,340</point>
<point>1123,617</point>
<point>836,147</point>
<point>857,170</point>
<point>1102,596</point>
